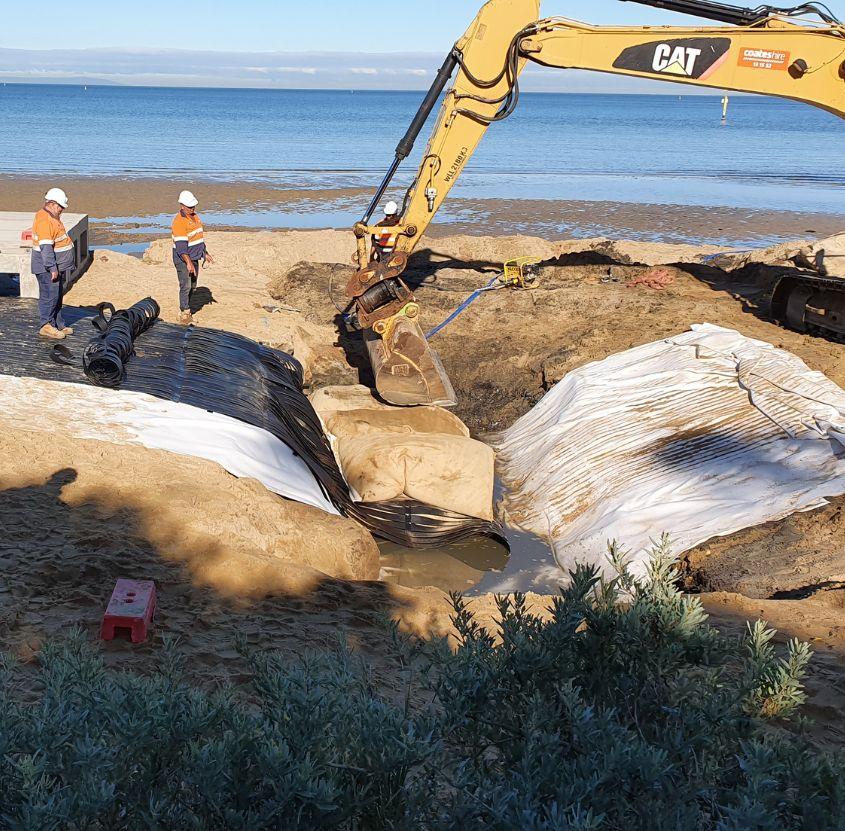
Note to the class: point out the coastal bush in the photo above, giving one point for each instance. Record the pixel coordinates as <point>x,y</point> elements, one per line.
<point>621,709</point>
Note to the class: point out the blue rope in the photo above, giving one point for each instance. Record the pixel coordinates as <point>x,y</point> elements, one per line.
<point>460,308</point>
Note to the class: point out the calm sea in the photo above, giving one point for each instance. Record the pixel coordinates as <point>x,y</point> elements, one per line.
<point>771,154</point>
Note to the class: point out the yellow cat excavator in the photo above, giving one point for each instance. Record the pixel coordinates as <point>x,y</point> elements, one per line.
<point>796,53</point>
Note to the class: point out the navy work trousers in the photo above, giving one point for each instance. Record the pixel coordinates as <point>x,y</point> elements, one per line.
<point>50,296</point>
<point>187,283</point>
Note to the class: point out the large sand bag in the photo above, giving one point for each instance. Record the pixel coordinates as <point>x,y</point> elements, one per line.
<point>421,452</point>
<point>445,471</point>
<point>826,255</point>
<point>697,435</point>
<point>351,410</point>
<point>328,400</point>
<point>363,422</point>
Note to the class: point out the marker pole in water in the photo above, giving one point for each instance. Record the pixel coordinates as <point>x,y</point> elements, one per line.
<point>725,101</point>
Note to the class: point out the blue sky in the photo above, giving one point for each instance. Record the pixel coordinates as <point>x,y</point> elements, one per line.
<point>289,25</point>
<point>325,44</point>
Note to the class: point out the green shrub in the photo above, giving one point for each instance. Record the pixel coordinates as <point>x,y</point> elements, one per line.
<point>623,710</point>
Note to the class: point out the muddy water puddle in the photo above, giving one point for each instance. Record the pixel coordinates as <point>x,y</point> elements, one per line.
<point>473,566</point>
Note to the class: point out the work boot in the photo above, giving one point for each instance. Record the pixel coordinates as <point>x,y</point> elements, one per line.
<point>50,331</point>
<point>67,330</point>
<point>186,317</point>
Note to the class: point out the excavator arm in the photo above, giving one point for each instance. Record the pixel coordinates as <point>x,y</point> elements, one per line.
<point>784,54</point>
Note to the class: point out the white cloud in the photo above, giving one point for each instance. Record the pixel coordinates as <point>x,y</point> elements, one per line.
<point>268,70</point>
<point>417,73</point>
<point>301,70</point>
<point>305,70</point>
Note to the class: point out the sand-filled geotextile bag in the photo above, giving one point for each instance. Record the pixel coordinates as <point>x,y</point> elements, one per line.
<point>423,453</point>
<point>230,376</point>
<point>697,435</point>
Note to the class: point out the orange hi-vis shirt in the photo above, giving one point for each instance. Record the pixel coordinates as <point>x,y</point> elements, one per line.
<point>188,237</point>
<point>52,248</point>
<point>384,242</point>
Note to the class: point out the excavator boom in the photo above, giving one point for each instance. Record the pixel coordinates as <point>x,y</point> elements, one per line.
<point>794,53</point>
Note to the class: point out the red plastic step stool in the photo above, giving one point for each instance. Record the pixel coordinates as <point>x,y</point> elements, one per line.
<point>132,606</point>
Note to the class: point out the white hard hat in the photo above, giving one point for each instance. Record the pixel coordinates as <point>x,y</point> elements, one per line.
<point>391,208</point>
<point>56,195</point>
<point>187,199</point>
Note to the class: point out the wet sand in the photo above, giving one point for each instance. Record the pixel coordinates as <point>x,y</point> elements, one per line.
<point>132,209</point>
<point>732,227</point>
<point>136,196</point>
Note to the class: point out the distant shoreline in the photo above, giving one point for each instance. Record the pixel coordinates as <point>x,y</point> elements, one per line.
<point>676,91</point>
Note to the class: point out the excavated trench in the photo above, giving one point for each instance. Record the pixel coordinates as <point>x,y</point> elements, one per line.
<point>509,347</point>
<point>792,559</point>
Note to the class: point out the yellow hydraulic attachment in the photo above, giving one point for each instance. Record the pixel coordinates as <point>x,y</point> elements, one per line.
<point>522,273</point>
<point>796,53</point>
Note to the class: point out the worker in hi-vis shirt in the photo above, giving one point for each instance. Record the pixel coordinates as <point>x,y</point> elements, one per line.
<point>52,260</point>
<point>188,251</point>
<point>384,242</point>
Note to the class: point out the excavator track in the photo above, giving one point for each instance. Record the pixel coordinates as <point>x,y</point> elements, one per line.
<point>809,303</point>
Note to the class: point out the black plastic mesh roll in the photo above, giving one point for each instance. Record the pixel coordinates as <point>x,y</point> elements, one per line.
<point>228,374</point>
<point>104,359</point>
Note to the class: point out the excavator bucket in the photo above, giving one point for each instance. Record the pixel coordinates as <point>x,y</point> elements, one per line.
<point>407,370</point>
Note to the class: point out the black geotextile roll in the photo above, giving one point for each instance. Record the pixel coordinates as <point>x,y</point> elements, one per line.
<point>228,374</point>
<point>104,359</point>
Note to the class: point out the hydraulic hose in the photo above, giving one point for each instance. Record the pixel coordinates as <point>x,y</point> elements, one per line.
<point>406,145</point>
<point>104,359</point>
<point>722,12</point>
<point>491,286</point>
<point>738,15</point>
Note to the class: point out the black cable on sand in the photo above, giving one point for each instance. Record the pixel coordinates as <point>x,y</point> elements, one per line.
<point>229,374</point>
<point>104,359</point>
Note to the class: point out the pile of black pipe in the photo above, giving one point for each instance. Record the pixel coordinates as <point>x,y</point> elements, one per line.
<point>224,373</point>
<point>104,359</point>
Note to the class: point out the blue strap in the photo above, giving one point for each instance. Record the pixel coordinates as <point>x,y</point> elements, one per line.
<point>460,308</point>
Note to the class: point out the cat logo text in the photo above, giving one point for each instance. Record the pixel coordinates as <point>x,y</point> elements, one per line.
<point>697,57</point>
<point>677,60</point>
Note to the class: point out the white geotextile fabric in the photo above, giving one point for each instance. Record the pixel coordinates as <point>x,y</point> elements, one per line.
<point>698,435</point>
<point>122,417</point>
